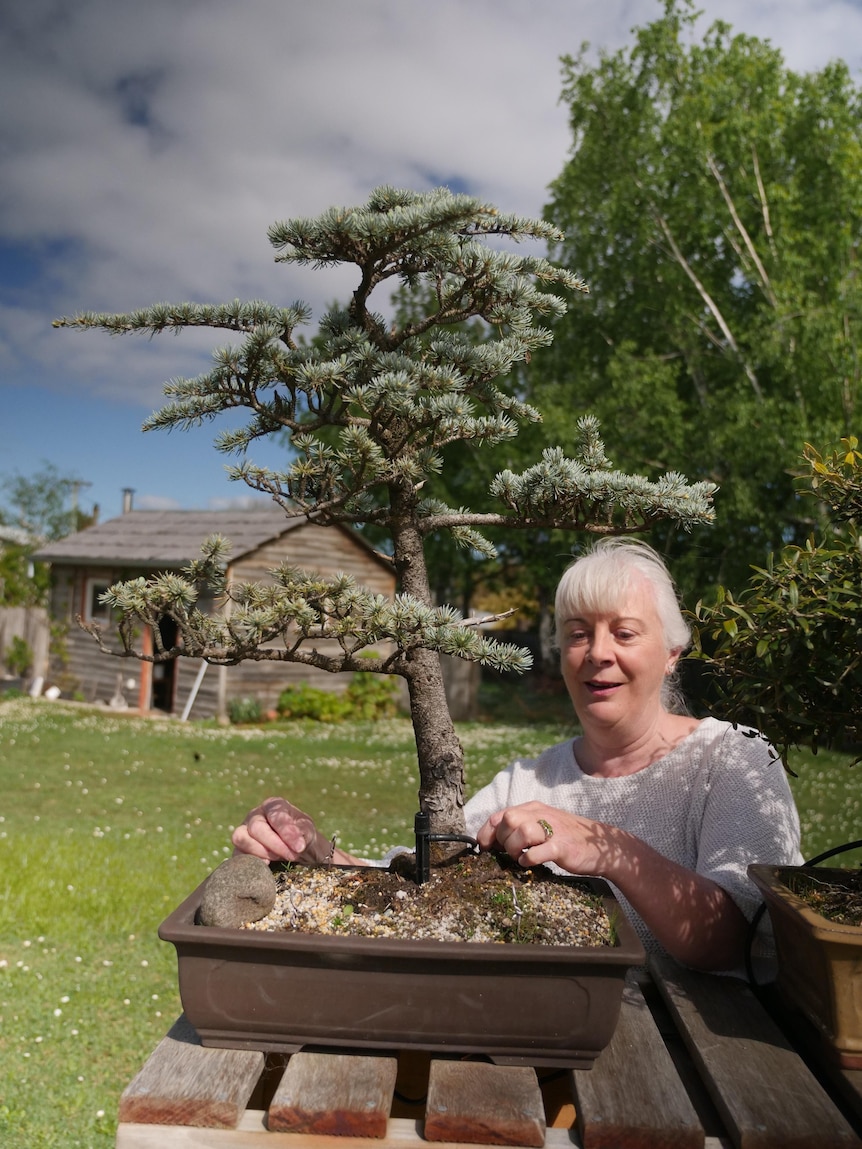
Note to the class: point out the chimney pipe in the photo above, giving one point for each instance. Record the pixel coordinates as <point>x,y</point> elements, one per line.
<point>127,499</point>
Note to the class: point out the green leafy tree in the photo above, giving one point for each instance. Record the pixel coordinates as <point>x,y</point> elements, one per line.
<point>787,649</point>
<point>369,407</point>
<point>44,505</point>
<point>713,201</point>
<point>41,507</point>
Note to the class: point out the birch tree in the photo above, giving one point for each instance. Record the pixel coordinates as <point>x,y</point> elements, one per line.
<point>713,200</point>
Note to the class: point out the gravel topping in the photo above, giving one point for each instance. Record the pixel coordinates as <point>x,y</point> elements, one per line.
<point>476,898</point>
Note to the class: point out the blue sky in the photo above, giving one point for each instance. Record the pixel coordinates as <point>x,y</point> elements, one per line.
<point>146,147</point>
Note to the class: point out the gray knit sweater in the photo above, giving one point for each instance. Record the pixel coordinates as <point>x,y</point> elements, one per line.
<point>719,800</point>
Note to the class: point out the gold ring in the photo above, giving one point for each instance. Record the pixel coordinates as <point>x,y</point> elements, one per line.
<point>547,827</point>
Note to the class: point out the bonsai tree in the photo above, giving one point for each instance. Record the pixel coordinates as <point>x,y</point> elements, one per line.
<point>369,407</point>
<point>787,654</point>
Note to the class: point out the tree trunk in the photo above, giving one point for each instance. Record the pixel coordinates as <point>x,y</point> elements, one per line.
<point>441,758</point>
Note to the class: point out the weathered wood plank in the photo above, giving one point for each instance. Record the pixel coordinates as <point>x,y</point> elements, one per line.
<point>183,1083</point>
<point>766,1095</point>
<point>633,1095</point>
<point>843,1084</point>
<point>337,1094</point>
<point>484,1104</point>
<point>252,1133</point>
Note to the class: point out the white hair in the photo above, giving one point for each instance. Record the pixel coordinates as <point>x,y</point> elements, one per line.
<point>599,581</point>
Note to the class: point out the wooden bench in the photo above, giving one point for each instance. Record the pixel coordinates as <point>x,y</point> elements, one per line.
<point>696,1063</point>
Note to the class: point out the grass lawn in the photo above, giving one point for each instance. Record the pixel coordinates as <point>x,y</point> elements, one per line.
<point>108,821</point>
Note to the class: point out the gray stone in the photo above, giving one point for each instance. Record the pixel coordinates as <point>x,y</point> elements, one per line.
<point>241,890</point>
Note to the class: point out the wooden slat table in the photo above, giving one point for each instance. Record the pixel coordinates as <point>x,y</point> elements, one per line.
<point>697,1062</point>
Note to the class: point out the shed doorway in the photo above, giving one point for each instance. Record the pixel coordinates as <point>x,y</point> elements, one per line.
<point>165,673</point>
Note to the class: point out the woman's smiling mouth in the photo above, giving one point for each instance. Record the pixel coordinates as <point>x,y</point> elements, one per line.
<point>600,688</point>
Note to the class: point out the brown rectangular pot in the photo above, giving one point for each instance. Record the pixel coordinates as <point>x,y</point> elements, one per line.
<point>819,961</point>
<point>519,1004</point>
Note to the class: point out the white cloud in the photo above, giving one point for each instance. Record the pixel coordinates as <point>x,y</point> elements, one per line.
<point>156,503</point>
<point>145,148</point>
<point>240,503</point>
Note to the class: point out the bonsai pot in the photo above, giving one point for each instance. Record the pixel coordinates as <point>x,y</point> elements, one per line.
<point>819,961</point>
<point>516,1003</point>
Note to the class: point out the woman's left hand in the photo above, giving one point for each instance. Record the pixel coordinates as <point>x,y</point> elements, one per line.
<point>533,833</point>
<point>691,916</point>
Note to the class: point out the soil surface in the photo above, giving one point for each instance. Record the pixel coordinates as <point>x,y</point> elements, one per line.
<point>839,902</point>
<point>470,897</point>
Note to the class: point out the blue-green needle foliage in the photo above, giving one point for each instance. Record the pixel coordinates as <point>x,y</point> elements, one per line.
<point>369,407</point>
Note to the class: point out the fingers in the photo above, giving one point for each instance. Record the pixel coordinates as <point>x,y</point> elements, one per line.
<point>275,831</point>
<point>243,843</point>
<point>486,836</point>
<point>524,832</point>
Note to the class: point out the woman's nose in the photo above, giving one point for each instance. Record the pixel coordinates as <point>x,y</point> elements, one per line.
<point>600,648</point>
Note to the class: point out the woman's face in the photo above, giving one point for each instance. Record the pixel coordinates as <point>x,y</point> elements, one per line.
<point>614,662</point>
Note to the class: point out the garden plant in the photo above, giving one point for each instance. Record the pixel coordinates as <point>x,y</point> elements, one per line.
<point>787,657</point>
<point>787,651</point>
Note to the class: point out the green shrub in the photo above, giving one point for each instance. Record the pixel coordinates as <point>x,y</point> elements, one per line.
<point>18,657</point>
<point>372,695</point>
<point>787,650</point>
<point>244,711</point>
<point>369,696</point>
<point>304,701</point>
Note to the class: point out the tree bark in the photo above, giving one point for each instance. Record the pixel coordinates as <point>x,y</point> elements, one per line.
<point>441,757</point>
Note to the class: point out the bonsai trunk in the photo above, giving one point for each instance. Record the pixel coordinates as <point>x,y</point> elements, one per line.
<point>441,758</point>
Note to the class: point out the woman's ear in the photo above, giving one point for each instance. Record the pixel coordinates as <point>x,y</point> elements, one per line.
<point>672,660</point>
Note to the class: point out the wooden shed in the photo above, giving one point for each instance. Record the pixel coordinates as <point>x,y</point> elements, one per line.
<point>149,542</point>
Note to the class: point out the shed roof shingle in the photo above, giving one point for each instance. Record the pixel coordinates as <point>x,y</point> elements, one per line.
<point>169,538</point>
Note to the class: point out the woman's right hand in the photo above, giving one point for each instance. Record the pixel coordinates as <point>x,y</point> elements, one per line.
<point>279,832</point>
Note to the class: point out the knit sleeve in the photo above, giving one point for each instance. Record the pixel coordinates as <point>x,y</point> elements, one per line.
<point>546,778</point>
<point>746,814</point>
<point>487,801</point>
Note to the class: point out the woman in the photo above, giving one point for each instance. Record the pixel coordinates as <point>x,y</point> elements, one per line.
<point>668,808</point>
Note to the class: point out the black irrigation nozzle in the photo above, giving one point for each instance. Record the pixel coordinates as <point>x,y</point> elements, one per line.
<point>424,838</point>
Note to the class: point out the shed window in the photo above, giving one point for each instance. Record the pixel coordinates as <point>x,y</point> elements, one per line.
<point>95,611</point>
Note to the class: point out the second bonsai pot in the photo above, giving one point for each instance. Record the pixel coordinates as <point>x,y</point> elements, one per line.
<point>819,961</point>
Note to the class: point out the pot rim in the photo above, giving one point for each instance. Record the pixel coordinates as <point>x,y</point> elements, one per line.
<point>771,881</point>
<point>180,927</point>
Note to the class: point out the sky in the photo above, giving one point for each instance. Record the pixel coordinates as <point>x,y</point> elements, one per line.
<point>145,148</point>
